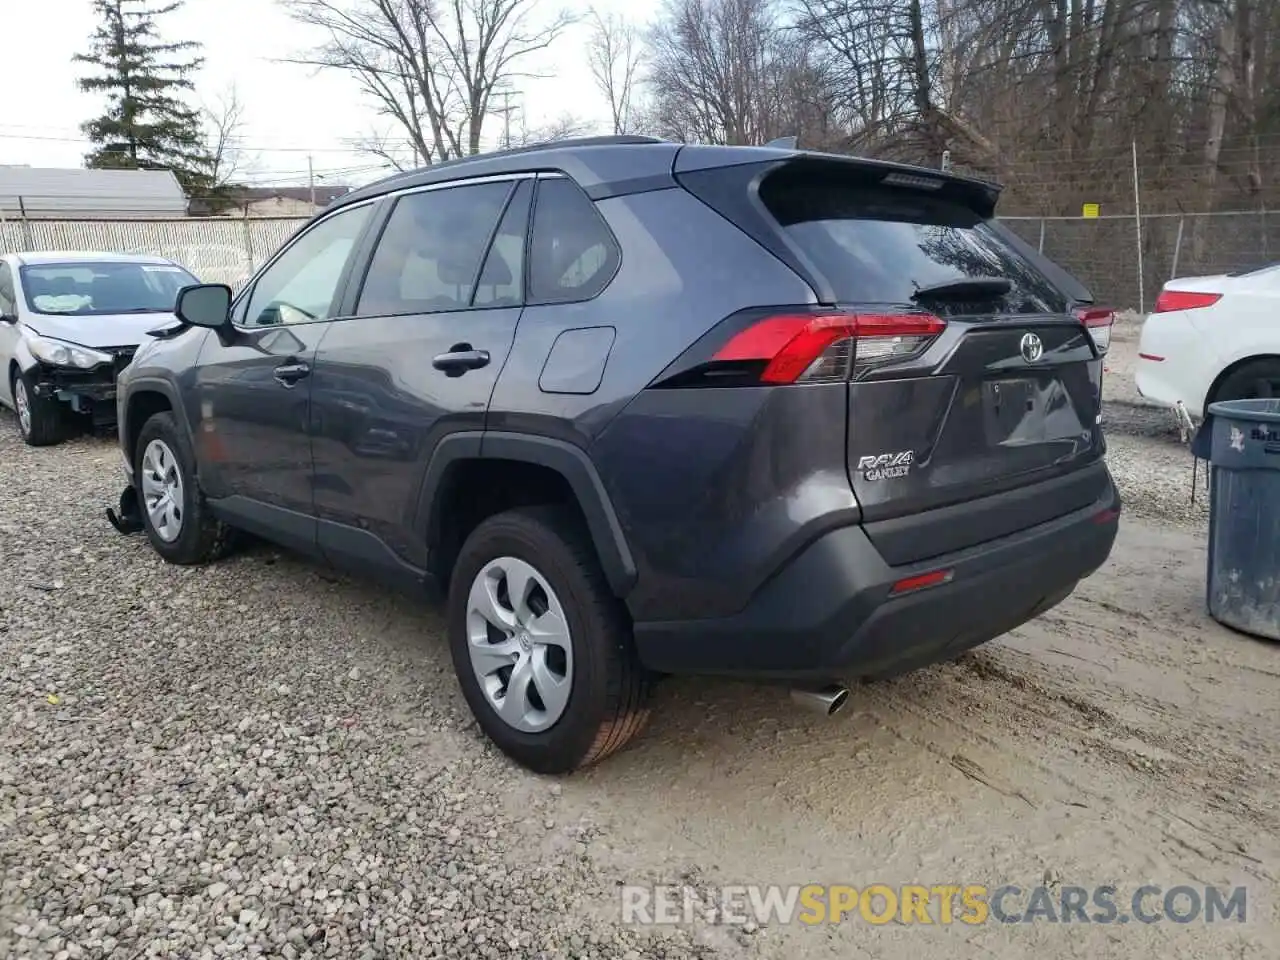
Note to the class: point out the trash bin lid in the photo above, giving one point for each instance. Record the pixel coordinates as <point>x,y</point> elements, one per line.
<point>1266,410</point>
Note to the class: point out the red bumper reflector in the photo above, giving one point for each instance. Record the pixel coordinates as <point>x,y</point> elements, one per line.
<point>1150,356</point>
<point>1106,516</point>
<point>920,581</point>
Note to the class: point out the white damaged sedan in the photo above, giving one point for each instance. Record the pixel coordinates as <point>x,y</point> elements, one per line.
<point>69,323</point>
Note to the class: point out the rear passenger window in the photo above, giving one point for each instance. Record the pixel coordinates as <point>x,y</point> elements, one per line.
<point>572,254</point>
<point>429,253</point>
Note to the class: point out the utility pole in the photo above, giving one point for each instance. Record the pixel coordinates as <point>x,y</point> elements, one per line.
<point>311,178</point>
<point>505,110</point>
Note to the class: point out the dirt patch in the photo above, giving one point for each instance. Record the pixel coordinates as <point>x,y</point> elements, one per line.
<point>1122,738</point>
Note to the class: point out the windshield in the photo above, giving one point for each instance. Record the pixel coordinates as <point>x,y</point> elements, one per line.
<point>90,288</point>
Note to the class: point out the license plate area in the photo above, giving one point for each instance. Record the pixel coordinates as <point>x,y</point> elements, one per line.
<point>1013,410</point>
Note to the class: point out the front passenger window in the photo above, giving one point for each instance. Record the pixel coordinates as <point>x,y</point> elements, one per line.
<point>301,285</point>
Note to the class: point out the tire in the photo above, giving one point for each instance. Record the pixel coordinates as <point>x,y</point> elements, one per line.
<point>163,453</point>
<point>605,702</point>
<point>1255,379</point>
<point>41,420</point>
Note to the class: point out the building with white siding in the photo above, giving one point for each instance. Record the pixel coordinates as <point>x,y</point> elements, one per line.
<point>73,194</point>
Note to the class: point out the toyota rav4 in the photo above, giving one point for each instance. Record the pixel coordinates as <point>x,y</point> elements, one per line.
<point>645,408</point>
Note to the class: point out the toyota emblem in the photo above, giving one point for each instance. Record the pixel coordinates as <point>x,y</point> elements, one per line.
<point>1031,347</point>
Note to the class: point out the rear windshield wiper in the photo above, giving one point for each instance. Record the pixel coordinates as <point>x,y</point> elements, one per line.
<point>963,288</point>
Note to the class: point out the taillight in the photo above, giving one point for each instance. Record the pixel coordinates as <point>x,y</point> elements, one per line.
<point>808,348</point>
<point>1184,300</point>
<point>1098,321</point>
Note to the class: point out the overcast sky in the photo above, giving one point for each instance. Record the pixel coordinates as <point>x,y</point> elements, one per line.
<point>290,111</point>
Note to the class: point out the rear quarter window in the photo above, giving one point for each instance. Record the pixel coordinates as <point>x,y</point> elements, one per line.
<point>572,253</point>
<point>879,245</point>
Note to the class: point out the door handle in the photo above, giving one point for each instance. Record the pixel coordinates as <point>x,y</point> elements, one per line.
<point>461,358</point>
<point>291,372</point>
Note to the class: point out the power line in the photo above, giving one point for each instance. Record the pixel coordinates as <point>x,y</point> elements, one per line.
<point>238,146</point>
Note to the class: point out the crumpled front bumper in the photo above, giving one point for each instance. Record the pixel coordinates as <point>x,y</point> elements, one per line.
<point>91,392</point>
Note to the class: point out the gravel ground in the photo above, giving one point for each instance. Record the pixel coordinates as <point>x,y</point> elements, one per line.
<point>262,758</point>
<point>1153,467</point>
<point>253,758</point>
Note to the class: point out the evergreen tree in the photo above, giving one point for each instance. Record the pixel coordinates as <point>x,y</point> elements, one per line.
<point>146,125</point>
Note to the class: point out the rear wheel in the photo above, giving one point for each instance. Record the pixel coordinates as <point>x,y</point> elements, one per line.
<point>542,649</point>
<point>174,513</point>
<point>1257,379</point>
<point>41,420</point>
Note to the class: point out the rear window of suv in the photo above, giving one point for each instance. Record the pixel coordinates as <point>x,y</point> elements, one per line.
<point>877,244</point>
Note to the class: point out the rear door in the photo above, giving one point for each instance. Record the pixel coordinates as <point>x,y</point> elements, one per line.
<point>425,333</point>
<point>1005,395</point>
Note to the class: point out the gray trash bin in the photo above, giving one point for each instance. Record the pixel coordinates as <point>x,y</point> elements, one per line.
<point>1244,516</point>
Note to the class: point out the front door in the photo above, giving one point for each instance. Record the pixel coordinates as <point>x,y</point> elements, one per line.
<point>431,328</point>
<point>253,389</point>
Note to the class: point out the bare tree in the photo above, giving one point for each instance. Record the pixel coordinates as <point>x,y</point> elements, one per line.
<point>613,54</point>
<point>564,127</point>
<point>717,71</point>
<point>431,67</point>
<point>224,123</point>
<point>400,154</point>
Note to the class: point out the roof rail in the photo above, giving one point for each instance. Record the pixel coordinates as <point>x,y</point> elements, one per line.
<point>619,140</point>
<point>391,181</point>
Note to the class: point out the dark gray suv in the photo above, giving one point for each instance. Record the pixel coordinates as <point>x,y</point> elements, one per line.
<point>646,408</point>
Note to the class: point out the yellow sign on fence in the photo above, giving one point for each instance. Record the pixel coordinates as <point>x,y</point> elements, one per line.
<point>1090,210</point>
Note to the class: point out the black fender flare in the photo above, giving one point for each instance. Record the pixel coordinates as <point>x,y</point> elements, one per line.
<point>152,385</point>
<point>570,461</point>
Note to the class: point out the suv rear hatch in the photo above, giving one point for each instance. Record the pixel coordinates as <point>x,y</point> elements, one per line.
<point>971,373</point>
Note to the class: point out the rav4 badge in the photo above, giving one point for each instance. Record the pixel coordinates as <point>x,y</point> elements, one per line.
<point>886,466</point>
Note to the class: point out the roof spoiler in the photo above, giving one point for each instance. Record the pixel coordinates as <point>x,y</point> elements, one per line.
<point>979,196</point>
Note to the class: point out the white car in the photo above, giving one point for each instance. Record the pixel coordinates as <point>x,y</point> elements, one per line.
<point>1212,338</point>
<point>69,323</point>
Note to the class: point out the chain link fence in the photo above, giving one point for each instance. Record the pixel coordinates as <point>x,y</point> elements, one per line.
<point>1122,259</point>
<point>1125,260</point>
<point>217,250</point>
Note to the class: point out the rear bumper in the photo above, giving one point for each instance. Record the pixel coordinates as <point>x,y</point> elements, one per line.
<point>1176,362</point>
<point>830,615</point>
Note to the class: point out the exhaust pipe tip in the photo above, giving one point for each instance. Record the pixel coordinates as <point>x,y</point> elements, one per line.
<point>825,700</point>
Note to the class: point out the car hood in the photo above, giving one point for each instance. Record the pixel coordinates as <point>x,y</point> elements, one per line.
<point>108,330</point>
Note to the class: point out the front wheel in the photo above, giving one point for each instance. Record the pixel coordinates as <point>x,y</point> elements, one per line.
<point>41,420</point>
<point>542,649</point>
<point>174,513</point>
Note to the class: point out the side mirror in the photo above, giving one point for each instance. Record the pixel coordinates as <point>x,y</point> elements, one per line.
<point>204,305</point>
